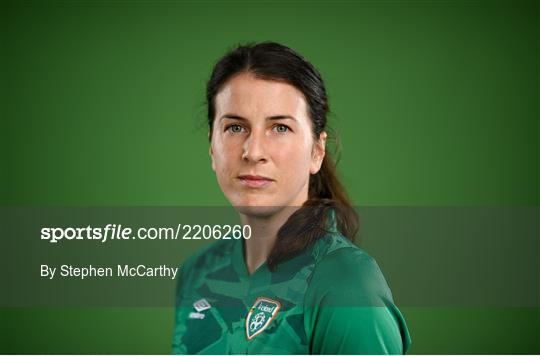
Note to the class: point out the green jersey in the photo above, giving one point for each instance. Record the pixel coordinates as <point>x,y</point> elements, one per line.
<point>330,299</point>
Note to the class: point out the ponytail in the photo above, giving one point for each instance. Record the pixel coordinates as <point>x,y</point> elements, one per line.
<point>311,221</point>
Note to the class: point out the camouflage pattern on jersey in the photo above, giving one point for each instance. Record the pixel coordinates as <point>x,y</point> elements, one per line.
<point>240,313</point>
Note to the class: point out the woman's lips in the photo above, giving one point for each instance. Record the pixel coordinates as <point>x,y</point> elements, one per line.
<point>255,181</point>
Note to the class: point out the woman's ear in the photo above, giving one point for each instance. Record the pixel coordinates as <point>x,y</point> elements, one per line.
<point>211,151</point>
<point>319,150</point>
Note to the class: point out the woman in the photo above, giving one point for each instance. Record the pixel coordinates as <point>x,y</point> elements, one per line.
<point>298,285</point>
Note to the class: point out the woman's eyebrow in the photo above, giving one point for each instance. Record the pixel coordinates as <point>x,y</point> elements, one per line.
<point>273,117</point>
<point>233,117</point>
<point>280,117</point>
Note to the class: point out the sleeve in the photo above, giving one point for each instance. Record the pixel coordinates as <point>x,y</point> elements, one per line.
<point>349,308</point>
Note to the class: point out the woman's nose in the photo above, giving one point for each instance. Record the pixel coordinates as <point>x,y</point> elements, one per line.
<point>254,147</point>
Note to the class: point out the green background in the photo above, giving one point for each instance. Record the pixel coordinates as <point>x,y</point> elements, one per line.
<point>435,102</point>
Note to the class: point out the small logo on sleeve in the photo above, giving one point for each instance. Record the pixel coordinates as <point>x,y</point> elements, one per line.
<point>261,314</point>
<point>200,305</point>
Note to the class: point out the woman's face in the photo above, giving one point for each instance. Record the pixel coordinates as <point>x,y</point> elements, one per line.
<point>262,146</point>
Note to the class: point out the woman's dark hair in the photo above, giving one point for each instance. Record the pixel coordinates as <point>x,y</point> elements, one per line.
<point>274,61</point>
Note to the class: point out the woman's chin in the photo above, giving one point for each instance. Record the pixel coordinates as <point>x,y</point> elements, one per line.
<point>257,209</point>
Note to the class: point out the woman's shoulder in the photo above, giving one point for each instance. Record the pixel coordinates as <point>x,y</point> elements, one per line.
<point>348,307</point>
<point>335,250</point>
<point>213,255</point>
<point>344,270</point>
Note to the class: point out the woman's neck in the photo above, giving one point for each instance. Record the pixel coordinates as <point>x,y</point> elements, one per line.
<point>263,236</point>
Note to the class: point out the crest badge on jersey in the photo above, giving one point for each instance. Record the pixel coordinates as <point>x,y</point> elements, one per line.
<point>261,314</point>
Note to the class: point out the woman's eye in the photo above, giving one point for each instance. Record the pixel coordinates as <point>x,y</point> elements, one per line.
<point>281,128</point>
<point>234,128</point>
